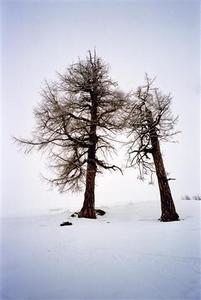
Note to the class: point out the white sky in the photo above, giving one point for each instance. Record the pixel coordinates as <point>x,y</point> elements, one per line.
<point>39,38</point>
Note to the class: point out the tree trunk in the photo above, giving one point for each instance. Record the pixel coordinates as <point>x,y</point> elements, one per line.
<point>167,204</point>
<point>88,209</point>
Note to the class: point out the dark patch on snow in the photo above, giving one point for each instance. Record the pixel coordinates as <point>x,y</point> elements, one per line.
<point>100,212</point>
<point>74,215</point>
<point>66,223</point>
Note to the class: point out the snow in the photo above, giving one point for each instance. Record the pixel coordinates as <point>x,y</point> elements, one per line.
<point>125,254</point>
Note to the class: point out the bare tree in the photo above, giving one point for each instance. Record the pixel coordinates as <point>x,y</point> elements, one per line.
<point>75,123</point>
<point>149,120</point>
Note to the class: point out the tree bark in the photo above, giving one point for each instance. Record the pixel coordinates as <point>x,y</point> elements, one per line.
<point>167,204</point>
<point>88,209</point>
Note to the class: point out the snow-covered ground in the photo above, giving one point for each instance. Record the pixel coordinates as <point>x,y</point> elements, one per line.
<point>126,254</point>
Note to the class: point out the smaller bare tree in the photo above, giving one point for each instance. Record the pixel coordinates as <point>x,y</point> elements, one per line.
<point>149,120</point>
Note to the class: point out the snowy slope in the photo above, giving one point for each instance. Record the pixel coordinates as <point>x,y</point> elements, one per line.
<point>126,254</point>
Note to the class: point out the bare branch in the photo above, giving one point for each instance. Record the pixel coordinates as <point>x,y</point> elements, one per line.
<point>145,102</point>
<point>77,120</point>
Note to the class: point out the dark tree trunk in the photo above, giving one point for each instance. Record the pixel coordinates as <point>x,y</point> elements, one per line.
<point>88,209</point>
<point>167,204</point>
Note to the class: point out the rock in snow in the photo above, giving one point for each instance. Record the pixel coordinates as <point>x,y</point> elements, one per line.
<point>125,254</point>
<point>66,223</point>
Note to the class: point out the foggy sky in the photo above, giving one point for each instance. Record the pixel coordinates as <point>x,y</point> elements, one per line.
<point>39,38</point>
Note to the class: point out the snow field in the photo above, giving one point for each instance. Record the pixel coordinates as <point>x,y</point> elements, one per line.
<point>125,254</point>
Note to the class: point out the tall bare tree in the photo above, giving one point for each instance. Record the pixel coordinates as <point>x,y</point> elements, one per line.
<point>75,122</point>
<point>149,121</point>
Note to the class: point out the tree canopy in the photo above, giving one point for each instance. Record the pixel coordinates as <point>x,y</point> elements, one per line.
<point>148,111</point>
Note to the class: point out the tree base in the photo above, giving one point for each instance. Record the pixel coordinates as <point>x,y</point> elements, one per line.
<point>98,212</point>
<point>169,217</point>
<point>88,213</point>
